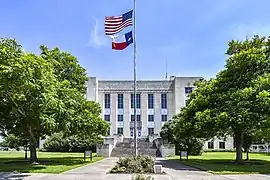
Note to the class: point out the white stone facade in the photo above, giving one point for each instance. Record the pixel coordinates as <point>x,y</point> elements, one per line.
<point>176,92</point>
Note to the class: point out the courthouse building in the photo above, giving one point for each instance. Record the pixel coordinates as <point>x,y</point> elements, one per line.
<point>157,101</point>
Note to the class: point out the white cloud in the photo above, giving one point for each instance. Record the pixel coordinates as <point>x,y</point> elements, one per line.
<point>98,38</point>
<point>240,31</point>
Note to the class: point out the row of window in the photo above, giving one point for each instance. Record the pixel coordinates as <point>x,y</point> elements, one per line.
<point>211,145</point>
<point>121,131</point>
<point>120,118</point>
<point>120,98</point>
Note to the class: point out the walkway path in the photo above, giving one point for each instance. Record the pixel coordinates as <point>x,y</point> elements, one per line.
<point>97,168</point>
<point>178,171</point>
<point>98,171</point>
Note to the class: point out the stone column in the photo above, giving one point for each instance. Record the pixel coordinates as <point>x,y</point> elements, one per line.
<point>113,113</point>
<point>157,116</point>
<point>126,114</point>
<point>144,116</point>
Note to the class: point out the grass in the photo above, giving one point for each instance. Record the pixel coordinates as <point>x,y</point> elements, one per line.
<point>223,163</point>
<point>48,162</point>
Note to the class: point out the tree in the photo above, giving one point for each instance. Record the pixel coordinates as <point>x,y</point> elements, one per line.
<point>28,93</point>
<point>79,116</point>
<point>237,100</point>
<point>180,133</point>
<point>41,95</point>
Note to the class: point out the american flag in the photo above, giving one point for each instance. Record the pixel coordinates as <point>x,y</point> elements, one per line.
<point>115,24</point>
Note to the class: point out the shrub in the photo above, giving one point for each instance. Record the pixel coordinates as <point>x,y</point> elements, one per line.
<point>193,146</point>
<point>142,177</point>
<point>139,164</point>
<point>59,143</point>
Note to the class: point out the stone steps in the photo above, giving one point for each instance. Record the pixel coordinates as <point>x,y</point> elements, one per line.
<point>126,148</point>
<point>128,152</point>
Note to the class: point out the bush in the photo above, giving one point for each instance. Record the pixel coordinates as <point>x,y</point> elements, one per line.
<point>139,164</point>
<point>59,143</point>
<point>193,146</point>
<point>142,177</point>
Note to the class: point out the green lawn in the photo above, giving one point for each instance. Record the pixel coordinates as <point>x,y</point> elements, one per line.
<point>223,163</point>
<point>48,162</point>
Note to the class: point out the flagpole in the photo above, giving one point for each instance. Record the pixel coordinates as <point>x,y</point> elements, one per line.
<point>135,79</point>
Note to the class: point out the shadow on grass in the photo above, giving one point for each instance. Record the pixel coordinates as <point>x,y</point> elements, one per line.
<point>225,166</point>
<point>9,164</point>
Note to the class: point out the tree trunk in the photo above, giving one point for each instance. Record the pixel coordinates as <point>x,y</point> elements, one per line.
<point>25,153</point>
<point>247,158</point>
<point>239,138</point>
<point>32,146</point>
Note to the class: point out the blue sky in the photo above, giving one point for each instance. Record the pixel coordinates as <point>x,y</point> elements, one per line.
<point>191,35</point>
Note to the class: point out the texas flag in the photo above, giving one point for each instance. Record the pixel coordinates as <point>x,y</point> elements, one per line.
<point>121,42</point>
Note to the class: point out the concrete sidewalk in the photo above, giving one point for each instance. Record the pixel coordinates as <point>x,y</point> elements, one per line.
<point>177,171</point>
<point>99,169</point>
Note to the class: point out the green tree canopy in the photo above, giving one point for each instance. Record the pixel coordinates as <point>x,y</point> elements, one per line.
<point>237,100</point>
<point>41,95</point>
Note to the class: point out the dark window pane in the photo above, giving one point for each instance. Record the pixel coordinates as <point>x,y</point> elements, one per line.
<point>120,101</point>
<point>210,144</point>
<point>107,101</point>
<point>107,118</point>
<point>188,90</point>
<point>150,101</point>
<point>120,118</point>
<point>164,101</point>
<point>119,130</point>
<point>150,118</point>
<point>150,131</point>
<point>221,145</point>
<point>138,101</point>
<point>163,118</point>
<point>132,100</point>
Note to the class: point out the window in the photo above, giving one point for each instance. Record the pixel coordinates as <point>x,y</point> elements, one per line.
<point>107,118</point>
<point>120,118</point>
<point>163,118</point>
<point>108,133</point>
<point>150,101</point>
<point>132,100</point>
<point>150,131</point>
<point>139,132</point>
<point>163,101</point>
<point>188,90</point>
<point>120,101</point>
<point>119,130</point>
<point>221,145</point>
<point>138,117</point>
<point>131,132</point>
<point>138,101</point>
<point>210,144</point>
<point>107,101</point>
<point>150,118</point>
